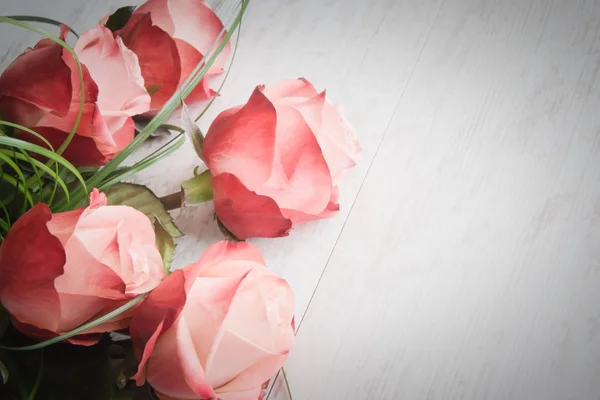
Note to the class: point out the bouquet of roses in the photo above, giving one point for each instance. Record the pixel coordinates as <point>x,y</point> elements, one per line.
<point>90,308</point>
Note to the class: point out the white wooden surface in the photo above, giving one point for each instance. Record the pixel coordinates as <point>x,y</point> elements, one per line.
<point>465,263</point>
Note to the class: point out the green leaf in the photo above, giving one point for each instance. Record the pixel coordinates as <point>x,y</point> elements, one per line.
<point>197,190</point>
<point>43,20</point>
<point>192,130</point>
<point>165,243</point>
<point>143,199</point>
<point>119,18</point>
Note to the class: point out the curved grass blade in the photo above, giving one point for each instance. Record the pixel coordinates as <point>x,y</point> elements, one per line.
<point>202,68</point>
<point>189,84</point>
<point>36,163</point>
<point>23,156</point>
<point>23,189</point>
<point>3,203</point>
<point>55,39</point>
<point>235,47</point>
<point>4,225</point>
<point>31,161</point>
<point>43,20</point>
<point>155,156</point>
<point>18,187</point>
<point>3,207</point>
<point>82,328</point>
<point>21,144</point>
<point>17,184</point>
<point>23,128</point>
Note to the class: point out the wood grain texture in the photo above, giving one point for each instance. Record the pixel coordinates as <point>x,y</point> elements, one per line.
<point>465,263</point>
<point>469,265</point>
<point>341,47</point>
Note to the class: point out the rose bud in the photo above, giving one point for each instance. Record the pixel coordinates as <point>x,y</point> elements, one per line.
<point>277,160</point>
<point>170,37</point>
<point>218,329</point>
<point>41,90</point>
<point>59,271</point>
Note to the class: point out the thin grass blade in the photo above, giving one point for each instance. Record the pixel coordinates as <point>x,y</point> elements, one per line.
<point>43,20</point>
<point>82,328</point>
<point>66,46</point>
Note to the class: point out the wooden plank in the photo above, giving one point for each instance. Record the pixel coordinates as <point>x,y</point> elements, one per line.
<point>80,15</point>
<point>337,46</point>
<point>344,47</point>
<point>469,266</point>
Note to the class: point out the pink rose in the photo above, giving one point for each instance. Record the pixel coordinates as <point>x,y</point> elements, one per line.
<point>59,271</point>
<point>277,160</point>
<point>219,328</point>
<point>171,37</point>
<point>41,91</point>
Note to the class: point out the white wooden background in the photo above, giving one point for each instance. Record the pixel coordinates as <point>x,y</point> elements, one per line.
<point>465,263</point>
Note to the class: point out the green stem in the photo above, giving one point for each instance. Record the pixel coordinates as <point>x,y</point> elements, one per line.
<point>172,201</point>
<point>198,189</point>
